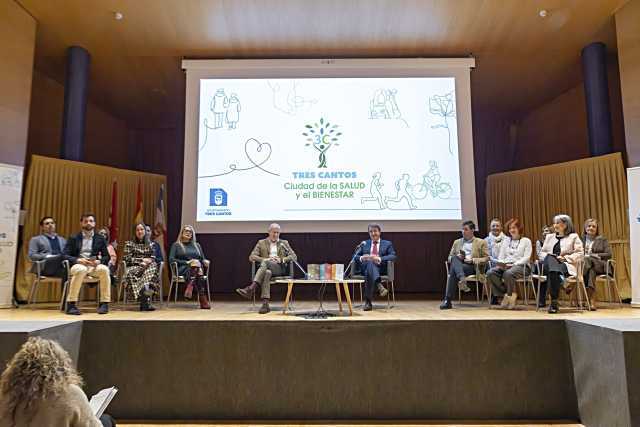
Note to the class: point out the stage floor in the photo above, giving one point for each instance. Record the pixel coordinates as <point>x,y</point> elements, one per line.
<point>231,309</point>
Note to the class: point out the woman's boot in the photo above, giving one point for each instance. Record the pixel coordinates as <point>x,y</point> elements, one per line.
<point>202,295</point>
<point>591,293</point>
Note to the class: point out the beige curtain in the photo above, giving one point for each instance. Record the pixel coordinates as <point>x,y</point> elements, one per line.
<point>587,188</point>
<point>65,189</point>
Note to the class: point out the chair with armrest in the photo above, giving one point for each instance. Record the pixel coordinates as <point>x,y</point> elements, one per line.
<point>290,275</point>
<point>88,280</point>
<point>177,279</point>
<point>478,278</point>
<point>610,281</point>
<point>38,279</point>
<point>387,280</point>
<point>122,288</point>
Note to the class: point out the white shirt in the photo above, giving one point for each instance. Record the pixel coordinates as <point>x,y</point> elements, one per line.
<point>87,243</point>
<point>273,248</point>
<point>588,243</point>
<point>517,252</point>
<point>494,243</point>
<point>467,247</point>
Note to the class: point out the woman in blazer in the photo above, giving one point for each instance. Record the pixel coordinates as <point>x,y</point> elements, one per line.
<point>597,252</point>
<point>560,254</point>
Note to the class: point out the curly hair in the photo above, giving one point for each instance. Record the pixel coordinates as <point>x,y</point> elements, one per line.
<point>39,370</point>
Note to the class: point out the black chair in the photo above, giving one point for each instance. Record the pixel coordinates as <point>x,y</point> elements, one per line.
<point>387,280</point>
<point>254,267</point>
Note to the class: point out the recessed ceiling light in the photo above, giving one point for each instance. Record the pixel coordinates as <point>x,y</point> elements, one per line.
<point>118,16</point>
<point>543,13</point>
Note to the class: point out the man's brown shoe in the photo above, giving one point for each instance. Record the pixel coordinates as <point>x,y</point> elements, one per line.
<point>247,292</point>
<point>265,308</point>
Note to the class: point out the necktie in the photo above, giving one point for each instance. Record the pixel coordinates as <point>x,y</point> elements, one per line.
<point>374,250</point>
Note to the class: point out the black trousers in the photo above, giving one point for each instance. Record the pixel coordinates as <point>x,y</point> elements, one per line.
<point>556,273</point>
<point>107,420</point>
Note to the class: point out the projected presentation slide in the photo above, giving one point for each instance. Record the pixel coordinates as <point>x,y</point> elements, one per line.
<point>322,149</point>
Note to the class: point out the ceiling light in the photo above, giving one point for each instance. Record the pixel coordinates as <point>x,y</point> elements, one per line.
<point>543,13</point>
<point>118,16</point>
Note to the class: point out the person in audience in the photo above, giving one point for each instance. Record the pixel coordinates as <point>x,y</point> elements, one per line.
<point>141,268</point>
<point>47,247</point>
<point>40,387</point>
<point>547,229</point>
<point>466,253</point>
<point>596,254</point>
<point>512,264</point>
<point>187,253</point>
<point>372,257</point>
<point>88,255</point>
<point>494,240</point>
<point>273,254</point>
<point>560,255</point>
<point>113,256</point>
<point>157,250</point>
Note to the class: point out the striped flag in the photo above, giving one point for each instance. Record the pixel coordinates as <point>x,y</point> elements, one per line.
<point>139,216</point>
<point>113,215</point>
<point>159,225</point>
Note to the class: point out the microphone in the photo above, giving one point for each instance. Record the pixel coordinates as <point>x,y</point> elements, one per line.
<point>364,242</point>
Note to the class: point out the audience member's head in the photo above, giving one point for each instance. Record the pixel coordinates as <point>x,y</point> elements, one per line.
<point>375,230</point>
<point>39,370</point>
<point>495,226</point>
<point>88,222</point>
<point>563,225</point>
<point>468,228</point>
<point>515,228</point>
<point>546,229</point>
<point>104,232</point>
<point>591,227</point>
<point>48,225</point>
<point>140,233</point>
<point>274,232</point>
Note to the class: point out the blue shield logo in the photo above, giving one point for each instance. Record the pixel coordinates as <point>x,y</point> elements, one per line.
<point>217,197</point>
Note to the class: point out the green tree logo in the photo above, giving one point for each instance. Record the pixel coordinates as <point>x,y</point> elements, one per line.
<point>322,135</point>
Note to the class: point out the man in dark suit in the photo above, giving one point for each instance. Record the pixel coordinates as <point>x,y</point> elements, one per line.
<point>88,255</point>
<point>371,260</point>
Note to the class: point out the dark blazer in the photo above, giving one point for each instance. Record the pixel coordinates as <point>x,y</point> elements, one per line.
<point>385,252</point>
<point>601,248</point>
<point>98,248</point>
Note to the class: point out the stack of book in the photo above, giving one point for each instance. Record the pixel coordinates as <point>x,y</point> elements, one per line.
<point>325,271</point>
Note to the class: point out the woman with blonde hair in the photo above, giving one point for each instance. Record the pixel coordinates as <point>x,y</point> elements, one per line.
<point>40,387</point>
<point>187,253</point>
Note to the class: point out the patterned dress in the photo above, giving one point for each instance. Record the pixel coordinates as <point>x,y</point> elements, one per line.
<point>139,277</point>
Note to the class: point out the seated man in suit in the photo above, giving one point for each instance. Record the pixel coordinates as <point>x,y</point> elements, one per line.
<point>47,247</point>
<point>465,253</point>
<point>273,254</point>
<point>88,255</point>
<point>372,257</point>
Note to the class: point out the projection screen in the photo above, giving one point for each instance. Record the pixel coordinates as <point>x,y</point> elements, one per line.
<point>328,145</point>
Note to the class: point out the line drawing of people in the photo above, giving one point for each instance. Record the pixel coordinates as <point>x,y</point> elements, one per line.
<point>219,104</point>
<point>233,111</point>
<point>403,191</point>
<point>286,98</point>
<point>383,105</point>
<point>375,189</point>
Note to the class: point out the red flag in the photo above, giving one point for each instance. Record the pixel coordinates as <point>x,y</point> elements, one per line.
<point>139,217</point>
<point>159,228</point>
<point>113,215</point>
